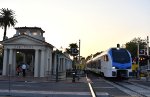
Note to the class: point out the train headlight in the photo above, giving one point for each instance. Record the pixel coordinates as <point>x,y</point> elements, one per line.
<point>113,67</point>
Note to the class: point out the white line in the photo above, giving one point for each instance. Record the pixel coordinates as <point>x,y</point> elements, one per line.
<point>90,86</point>
<point>91,89</point>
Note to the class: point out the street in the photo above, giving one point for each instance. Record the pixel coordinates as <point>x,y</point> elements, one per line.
<point>28,87</point>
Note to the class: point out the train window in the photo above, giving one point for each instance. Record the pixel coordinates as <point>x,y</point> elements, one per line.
<point>99,62</point>
<point>95,64</point>
<point>99,65</point>
<point>120,56</point>
<point>106,58</point>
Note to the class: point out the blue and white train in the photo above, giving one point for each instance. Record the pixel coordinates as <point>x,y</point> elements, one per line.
<point>115,62</point>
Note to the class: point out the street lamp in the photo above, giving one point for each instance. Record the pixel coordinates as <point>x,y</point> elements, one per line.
<point>9,79</point>
<point>57,53</point>
<point>57,58</point>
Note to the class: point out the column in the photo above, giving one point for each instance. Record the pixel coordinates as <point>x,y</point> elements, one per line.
<point>42,66</point>
<point>67,64</point>
<point>64,63</point>
<point>32,63</point>
<point>10,65</point>
<point>50,62</point>
<point>14,62</point>
<point>58,63</point>
<point>54,63</point>
<point>5,62</point>
<point>36,63</point>
<point>47,62</point>
<point>61,64</point>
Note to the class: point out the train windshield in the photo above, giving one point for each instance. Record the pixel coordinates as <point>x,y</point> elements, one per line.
<point>120,56</point>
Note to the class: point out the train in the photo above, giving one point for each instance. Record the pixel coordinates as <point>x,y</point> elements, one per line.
<point>113,63</point>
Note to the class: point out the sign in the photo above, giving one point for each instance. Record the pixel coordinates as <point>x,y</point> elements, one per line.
<point>74,51</point>
<point>142,52</point>
<point>24,47</point>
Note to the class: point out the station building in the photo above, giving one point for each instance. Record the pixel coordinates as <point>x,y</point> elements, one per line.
<point>40,57</point>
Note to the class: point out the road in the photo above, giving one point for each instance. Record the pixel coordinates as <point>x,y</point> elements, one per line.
<point>41,89</point>
<point>67,88</point>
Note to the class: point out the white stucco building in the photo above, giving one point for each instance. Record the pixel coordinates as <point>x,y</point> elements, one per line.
<point>36,52</point>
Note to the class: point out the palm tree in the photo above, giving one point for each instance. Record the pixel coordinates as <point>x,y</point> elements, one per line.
<point>73,51</point>
<point>7,19</point>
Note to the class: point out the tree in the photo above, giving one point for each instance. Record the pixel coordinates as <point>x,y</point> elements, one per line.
<point>88,57</point>
<point>73,49</point>
<point>7,19</point>
<point>1,57</point>
<point>96,54</point>
<point>132,46</point>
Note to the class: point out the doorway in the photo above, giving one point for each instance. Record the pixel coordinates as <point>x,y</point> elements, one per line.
<point>26,56</point>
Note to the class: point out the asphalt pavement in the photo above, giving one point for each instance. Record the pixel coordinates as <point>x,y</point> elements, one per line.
<point>47,88</point>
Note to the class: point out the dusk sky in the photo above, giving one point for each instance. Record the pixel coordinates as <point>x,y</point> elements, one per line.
<point>99,24</point>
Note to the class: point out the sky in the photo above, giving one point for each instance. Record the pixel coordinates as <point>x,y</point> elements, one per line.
<point>98,24</point>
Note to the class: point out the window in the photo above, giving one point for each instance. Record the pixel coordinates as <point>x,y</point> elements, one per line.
<point>99,64</point>
<point>105,57</point>
<point>34,33</point>
<point>120,56</point>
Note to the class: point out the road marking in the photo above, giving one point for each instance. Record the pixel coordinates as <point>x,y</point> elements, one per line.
<point>90,86</point>
<point>50,92</point>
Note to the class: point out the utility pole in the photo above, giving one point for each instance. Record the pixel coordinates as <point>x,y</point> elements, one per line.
<point>138,55</point>
<point>148,52</point>
<point>138,69</point>
<point>148,69</point>
<point>79,50</point>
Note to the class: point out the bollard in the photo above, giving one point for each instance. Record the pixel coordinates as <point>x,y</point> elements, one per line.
<point>73,77</point>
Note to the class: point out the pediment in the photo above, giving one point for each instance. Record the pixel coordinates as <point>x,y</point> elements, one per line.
<point>23,40</point>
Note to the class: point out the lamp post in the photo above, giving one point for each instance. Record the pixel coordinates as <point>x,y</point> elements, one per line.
<point>58,53</point>
<point>9,78</point>
<point>79,51</point>
<point>138,60</point>
<point>57,65</point>
<point>148,52</point>
<point>148,64</point>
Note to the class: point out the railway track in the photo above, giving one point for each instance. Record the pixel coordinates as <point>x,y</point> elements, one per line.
<point>133,89</point>
<point>130,88</point>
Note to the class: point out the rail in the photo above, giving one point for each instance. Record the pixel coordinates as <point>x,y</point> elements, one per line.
<point>130,88</point>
